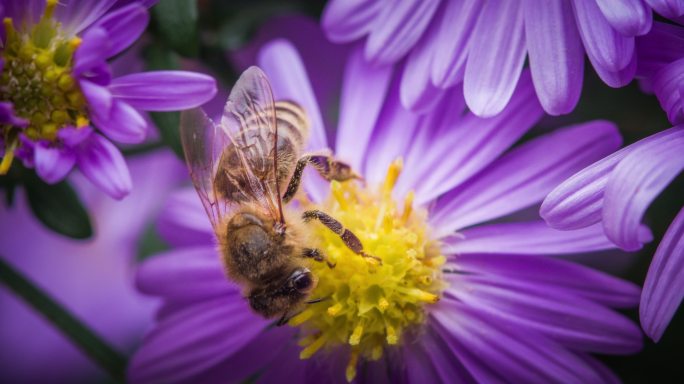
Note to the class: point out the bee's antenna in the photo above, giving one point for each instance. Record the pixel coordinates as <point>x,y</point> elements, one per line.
<point>314,301</point>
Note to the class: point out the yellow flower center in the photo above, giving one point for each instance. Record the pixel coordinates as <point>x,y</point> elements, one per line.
<point>37,80</point>
<point>370,305</point>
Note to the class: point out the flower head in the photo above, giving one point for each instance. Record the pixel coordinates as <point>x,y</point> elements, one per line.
<point>484,44</point>
<point>59,103</point>
<point>451,300</point>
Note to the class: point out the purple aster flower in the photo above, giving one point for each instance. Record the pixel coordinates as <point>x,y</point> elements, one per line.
<point>457,298</point>
<point>93,279</point>
<point>60,105</point>
<point>484,44</point>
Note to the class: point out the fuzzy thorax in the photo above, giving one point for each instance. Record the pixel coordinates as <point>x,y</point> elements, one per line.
<point>37,79</point>
<point>371,305</point>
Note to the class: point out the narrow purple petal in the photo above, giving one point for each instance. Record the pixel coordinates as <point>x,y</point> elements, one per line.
<point>629,17</point>
<point>123,27</point>
<point>437,167</point>
<point>363,94</point>
<point>417,92</point>
<point>660,47</point>
<point>99,99</point>
<point>635,182</point>
<point>432,355</point>
<point>527,238</point>
<point>454,36</point>
<point>524,176</point>
<point>164,90</point>
<point>345,20</point>
<point>77,15</point>
<point>664,285</point>
<point>7,115</point>
<point>619,78</point>
<point>606,48</point>
<point>668,84</point>
<point>577,202</point>
<point>92,52</point>
<point>549,274</point>
<point>183,221</point>
<point>194,340</point>
<point>493,69</point>
<point>530,359</point>
<point>25,12</point>
<point>668,8</point>
<point>53,164</point>
<point>574,322</point>
<point>124,124</point>
<point>72,136</point>
<point>102,163</point>
<point>556,54</point>
<point>397,28</point>
<point>191,273</point>
<point>386,144</point>
<point>607,375</point>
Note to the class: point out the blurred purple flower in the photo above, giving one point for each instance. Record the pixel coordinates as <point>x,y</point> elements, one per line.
<point>511,312</point>
<point>484,44</point>
<point>91,278</point>
<point>60,104</point>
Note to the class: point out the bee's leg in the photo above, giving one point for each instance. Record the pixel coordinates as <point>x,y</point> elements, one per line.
<point>283,319</point>
<point>348,237</point>
<point>317,255</point>
<point>326,166</point>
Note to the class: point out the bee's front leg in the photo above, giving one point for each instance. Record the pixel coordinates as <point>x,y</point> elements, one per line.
<point>317,255</point>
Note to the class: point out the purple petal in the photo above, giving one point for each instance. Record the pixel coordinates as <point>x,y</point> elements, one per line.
<point>547,274</point>
<point>99,99</point>
<point>432,361</point>
<point>416,91</point>
<point>386,144</point>
<point>635,182</point>
<point>183,222</point>
<point>577,202</point>
<point>454,36</point>
<point>606,48</point>
<point>664,285</point>
<point>164,90</point>
<point>574,322</point>
<point>53,164</point>
<point>620,78</point>
<point>629,17</point>
<point>668,84</point>
<point>556,54</point>
<point>494,68</point>
<point>668,8</point>
<point>77,15</point>
<point>345,20</point>
<point>531,238</point>
<point>72,136</point>
<point>363,95</point>
<point>124,124</point>
<point>102,163</point>
<point>7,115</point>
<point>607,376</point>
<point>123,27</point>
<point>524,176</point>
<point>23,12</point>
<point>437,167</point>
<point>191,341</point>
<point>660,47</point>
<point>92,53</point>
<point>397,28</point>
<point>192,274</point>
<point>529,359</point>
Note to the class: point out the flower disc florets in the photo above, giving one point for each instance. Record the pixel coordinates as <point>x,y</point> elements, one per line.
<point>37,79</point>
<point>370,304</point>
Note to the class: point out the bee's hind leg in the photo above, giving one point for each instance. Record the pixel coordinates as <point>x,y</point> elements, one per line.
<point>348,237</point>
<point>317,255</point>
<point>326,166</point>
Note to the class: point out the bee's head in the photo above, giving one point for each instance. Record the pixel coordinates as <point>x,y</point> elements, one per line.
<point>283,296</point>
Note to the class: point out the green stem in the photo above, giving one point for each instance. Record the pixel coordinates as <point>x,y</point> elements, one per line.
<point>91,344</point>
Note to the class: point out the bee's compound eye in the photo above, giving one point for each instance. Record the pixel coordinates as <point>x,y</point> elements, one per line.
<point>302,281</point>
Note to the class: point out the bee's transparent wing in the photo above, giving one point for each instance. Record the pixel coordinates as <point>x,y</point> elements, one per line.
<point>249,121</point>
<point>203,143</point>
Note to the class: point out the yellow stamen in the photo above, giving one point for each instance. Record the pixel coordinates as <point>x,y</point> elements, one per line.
<point>350,372</point>
<point>312,348</point>
<point>301,317</point>
<point>6,161</point>
<point>392,175</point>
<point>392,338</point>
<point>408,206</point>
<point>335,309</point>
<point>355,337</point>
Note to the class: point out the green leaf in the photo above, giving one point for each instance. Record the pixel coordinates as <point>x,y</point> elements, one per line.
<point>176,23</point>
<point>59,208</point>
<point>168,124</point>
<point>158,57</point>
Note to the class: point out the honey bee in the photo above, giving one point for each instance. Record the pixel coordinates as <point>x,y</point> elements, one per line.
<point>239,168</point>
